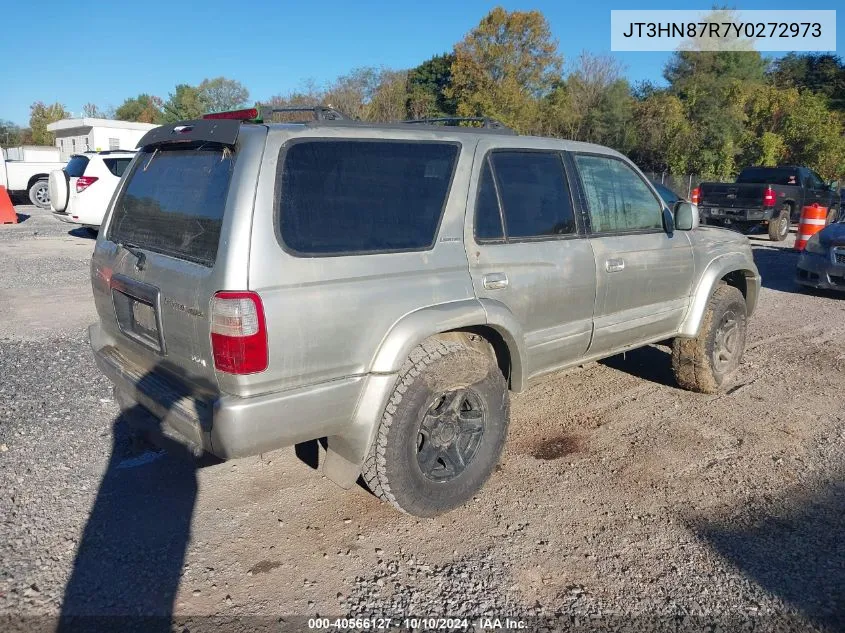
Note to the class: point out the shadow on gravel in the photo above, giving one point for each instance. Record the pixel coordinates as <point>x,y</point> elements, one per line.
<point>22,217</point>
<point>649,363</point>
<point>795,549</point>
<point>777,267</point>
<point>130,558</point>
<point>83,232</point>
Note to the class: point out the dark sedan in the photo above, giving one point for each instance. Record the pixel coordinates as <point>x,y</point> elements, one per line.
<point>822,262</point>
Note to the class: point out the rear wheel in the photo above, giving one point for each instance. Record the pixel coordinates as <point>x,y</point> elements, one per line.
<point>706,362</point>
<point>443,429</point>
<point>779,224</point>
<point>39,194</point>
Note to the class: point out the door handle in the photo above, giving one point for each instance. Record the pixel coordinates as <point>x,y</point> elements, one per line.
<point>614,265</point>
<point>495,281</point>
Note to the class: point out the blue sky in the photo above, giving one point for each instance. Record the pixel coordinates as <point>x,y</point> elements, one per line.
<point>104,52</point>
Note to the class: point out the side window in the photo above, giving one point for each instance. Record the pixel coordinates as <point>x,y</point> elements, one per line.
<point>117,165</point>
<point>534,193</point>
<point>815,181</point>
<point>488,220</point>
<point>617,198</point>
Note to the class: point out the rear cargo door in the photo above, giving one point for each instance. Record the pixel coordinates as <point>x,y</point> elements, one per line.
<point>732,195</point>
<point>158,267</point>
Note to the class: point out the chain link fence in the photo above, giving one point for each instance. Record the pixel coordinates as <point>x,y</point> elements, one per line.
<point>681,184</point>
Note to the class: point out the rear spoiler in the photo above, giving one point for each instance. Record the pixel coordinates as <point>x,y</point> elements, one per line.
<point>223,131</point>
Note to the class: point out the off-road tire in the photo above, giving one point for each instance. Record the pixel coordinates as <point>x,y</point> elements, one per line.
<point>391,469</point>
<point>39,198</point>
<point>693,358</point>
<point>778,226</point>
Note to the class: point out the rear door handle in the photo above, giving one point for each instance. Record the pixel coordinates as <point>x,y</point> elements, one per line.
<point>495,281</point>
<point>614,265</point>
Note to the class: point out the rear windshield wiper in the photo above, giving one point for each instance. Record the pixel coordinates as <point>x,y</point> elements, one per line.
<point>139,255</point>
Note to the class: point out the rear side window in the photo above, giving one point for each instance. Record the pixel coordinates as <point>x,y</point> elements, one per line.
<point>534,194</point>
<point>768,176</point>
<point>117,165</point>
<point>348,196</point>
<point>174,200</point>
<point>75,167</point>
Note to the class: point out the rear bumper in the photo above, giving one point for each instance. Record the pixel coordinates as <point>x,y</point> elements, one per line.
<point>64,217</point>
<point>727,216</point>
<point>818,271</point>
<point>224,425</point>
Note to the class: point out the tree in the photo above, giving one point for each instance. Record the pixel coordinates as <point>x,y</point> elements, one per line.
<point>91,110</point>
<point>40,115</point>
<point>144,109</point>
<point>220,94</point>
<point>504,67</point>
<point>427,87</point>
<point>820,73</point>
<point>10,134</point>
<point>185,103</point>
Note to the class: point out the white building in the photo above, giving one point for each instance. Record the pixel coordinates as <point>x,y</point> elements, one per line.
<point>81,135</point>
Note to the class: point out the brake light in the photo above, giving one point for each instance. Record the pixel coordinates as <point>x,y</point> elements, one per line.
<point>238,333</point>
<point>695,196</point>
<point>241,115</point>
<point>769,197</point>
<point>83,182</point>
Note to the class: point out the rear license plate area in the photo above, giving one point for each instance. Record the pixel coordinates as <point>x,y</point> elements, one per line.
<point>137,313</point>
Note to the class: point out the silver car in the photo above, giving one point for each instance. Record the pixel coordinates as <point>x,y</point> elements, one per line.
<point>388,286</point>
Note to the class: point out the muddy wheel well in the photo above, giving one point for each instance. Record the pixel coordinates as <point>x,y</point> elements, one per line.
<point>737,279</point>
<point>500,348</point>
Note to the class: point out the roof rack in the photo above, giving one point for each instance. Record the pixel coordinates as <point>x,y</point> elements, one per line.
<point>486,122</point>
<point>321,113</point>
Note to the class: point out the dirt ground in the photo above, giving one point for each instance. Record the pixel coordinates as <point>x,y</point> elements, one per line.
<point>619,495</point>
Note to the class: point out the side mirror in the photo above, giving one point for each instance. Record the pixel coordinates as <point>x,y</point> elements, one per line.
<point>834,185</point>
<point>686,215</point>
<point>668,222</point>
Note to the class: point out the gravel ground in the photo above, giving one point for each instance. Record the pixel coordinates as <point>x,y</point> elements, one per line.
<point>622,502</point>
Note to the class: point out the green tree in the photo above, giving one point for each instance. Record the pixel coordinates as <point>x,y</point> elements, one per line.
<point>144,109</point>
<point>40,115</point>
<point>504,67</point>
<point>220,94</point>
<point>427,87</point>
<point>186,102</point>
<point>10,134</point>
<point>819,73</point>
<point>664,134</point>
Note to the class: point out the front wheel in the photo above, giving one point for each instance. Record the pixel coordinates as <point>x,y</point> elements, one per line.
<point>443,429</point>
<point>779,224</point>
<point>706,362</point>
<point>39,194</point>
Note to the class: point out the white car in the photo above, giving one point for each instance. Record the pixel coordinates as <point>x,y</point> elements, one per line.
<point>80,192</point>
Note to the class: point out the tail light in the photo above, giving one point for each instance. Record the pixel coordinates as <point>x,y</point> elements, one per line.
<point>83,182</point>
<point>695,195</point>
<point>238,333</point>
<point>769,197</point>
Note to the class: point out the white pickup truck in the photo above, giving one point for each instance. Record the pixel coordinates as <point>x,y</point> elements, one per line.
<point>25,177</point>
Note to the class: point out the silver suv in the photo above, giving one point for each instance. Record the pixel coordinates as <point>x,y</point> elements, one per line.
<point>387,286</point>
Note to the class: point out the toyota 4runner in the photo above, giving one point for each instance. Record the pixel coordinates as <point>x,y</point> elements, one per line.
<point>387,286</point>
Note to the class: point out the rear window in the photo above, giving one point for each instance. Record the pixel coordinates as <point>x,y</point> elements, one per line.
<point>349,196</point>
<point>117,165</point>
<point>768,176</point>
<point>173,201</point>
<point>75,167</point>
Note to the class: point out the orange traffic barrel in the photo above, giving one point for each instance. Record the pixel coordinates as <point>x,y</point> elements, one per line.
<point>813,220</point>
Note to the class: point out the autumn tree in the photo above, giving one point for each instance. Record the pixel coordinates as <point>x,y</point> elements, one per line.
<point>41,115</point>
<point>186,102</point>
<point>504,67</point>
<point>10,134</point>
<point>220,94</point>
<point>91,110</point>
<point>427,88</point>
<point>144,109</point>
